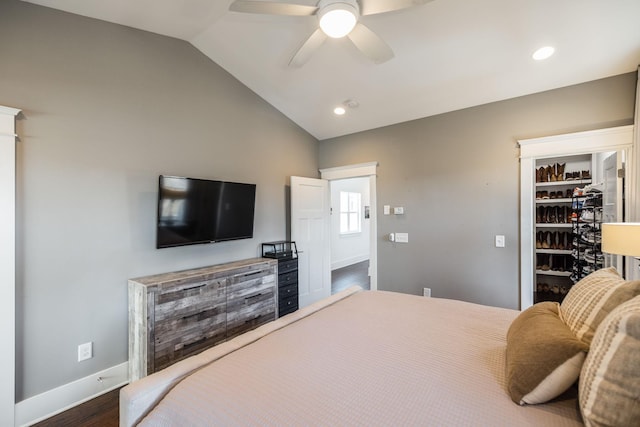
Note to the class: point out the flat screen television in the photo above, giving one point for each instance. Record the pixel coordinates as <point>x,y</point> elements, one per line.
<point>192,211</point>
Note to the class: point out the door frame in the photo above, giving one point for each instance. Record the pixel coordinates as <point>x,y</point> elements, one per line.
<point>8,139</point>
<point>618,139</point>
<point>357,171</point>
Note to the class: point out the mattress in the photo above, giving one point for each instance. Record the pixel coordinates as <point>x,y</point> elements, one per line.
<point>371,358</point>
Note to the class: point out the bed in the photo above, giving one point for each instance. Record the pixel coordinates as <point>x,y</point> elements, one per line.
<point>358,358</point>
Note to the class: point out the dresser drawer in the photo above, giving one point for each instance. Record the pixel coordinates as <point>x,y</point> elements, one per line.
<point>244,314</point>
<point>187,319</point>
<point>286,266</point>
<point>287,291</point>
<point>188,298</point>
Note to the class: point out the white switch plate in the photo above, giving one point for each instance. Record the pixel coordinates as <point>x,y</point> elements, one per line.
<point>387,209</point>
<point>402,237</point>
<point>499,241</point>
<point>398,211</point>
<point>426,292</point>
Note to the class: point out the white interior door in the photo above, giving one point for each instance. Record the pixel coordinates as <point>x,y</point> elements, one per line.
<point>310,229</point>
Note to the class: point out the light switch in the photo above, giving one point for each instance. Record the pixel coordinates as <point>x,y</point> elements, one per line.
<point>398,211</point>
<point>387,209</point>
<point>402,237</point>
<point>499,241</point>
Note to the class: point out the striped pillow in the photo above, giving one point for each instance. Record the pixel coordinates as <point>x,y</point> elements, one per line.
<point>592,298</point>
<point>609,388</point>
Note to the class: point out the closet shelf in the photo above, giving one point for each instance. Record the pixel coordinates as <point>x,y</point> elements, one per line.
<point>554,273</point>
<point>552,225</point>
<point>553,251</point>
<point>553,201</point>
<point>576,182</point>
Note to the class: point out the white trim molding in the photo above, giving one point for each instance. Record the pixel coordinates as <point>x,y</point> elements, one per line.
<point>350,171</point>
<point>7,262</point>
<point>617,139</point>
<point>59,399</point>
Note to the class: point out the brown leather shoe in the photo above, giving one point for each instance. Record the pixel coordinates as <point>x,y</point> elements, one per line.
<point>560,171</point>
<point>543,176</point>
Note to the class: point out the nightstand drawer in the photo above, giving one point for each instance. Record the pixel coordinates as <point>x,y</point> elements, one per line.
<point>287,266</point>
<point>287,291</point>
<point>287,305</point>
<point>288,278</point>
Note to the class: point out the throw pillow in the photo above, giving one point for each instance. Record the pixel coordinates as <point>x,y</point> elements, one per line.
<point>544,358</point>
<point>592,298</point>
<point>609,388</point>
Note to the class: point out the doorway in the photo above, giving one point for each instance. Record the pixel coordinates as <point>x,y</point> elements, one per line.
<point>350,233</point>
<point>353,253</point>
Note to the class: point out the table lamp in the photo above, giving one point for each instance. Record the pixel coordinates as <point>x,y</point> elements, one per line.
<point>621,238</point>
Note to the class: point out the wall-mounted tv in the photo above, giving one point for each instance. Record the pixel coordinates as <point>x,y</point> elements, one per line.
<point>192,211</point>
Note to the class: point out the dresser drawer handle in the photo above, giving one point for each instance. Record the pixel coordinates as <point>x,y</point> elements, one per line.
<point>247,299</point>
<point>195,287</point>
<point>190,316</point>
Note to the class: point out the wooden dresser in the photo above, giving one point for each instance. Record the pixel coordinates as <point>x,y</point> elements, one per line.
<point>176,315</point>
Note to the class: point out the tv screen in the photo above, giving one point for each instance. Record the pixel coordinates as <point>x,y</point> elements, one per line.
<point>192,211</point>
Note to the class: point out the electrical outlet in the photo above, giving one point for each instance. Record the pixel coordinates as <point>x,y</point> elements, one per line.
<point>426,292</point>
<point>85,351</point>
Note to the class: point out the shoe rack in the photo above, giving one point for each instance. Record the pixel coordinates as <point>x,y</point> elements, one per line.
<point>586,224</point>
<point>556,180</point>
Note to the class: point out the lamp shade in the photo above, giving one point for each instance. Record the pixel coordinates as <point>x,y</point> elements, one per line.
<point>621,238</point>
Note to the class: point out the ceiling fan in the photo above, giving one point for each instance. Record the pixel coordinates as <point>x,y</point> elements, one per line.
<point>336,18</point>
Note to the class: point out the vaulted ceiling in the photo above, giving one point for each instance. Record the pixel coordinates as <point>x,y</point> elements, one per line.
<point>449,54</point>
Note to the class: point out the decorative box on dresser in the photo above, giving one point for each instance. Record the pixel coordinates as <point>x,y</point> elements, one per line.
<point>287,255</point>
<point>176,315</point>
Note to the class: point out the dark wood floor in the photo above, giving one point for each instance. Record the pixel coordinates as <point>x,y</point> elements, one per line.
<point>355,274</point>
<point>103,411</point>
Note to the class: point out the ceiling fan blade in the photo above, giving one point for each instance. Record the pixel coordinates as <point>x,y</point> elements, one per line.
<point>272,8</point>
<point>372,7</point>
<point>370,44</point>
<point>308,47</point>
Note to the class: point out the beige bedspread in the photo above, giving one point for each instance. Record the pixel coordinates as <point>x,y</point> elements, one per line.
<point>373,358</point>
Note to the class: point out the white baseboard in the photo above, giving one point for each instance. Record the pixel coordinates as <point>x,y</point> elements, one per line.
<point>59,399</point>
<point>349,261</point>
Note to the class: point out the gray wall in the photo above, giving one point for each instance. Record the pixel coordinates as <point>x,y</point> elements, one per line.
<point>457,175</point>
<point>106,110</point>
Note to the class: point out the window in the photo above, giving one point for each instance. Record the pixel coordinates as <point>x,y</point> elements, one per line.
<point>350,213</point>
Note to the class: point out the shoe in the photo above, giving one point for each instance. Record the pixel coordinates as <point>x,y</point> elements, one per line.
<point>554,240</point>
<point>538,175</point>
<point>539,214</point>
<point>560,171</point>
<point>548,172</point>
<point>552,195</point>
<point>553,215</point>
<point>569,193</point>
<point>544,194</point>
<point>552,173</point>
<point>586,175</point>
<point>539,240</point>
<point>546,237</point>
<point>543,175</point>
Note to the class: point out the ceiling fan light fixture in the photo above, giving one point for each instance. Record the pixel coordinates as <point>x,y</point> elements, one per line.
<point>337,19</point>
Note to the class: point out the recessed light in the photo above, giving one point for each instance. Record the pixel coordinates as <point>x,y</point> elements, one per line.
<point>543,53</point>
<point>339,111</point>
